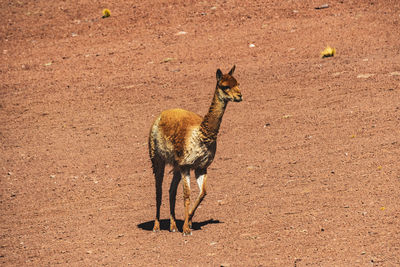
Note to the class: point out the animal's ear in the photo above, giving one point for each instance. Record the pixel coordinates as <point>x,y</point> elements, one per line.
<point>219,75</point>
<point>232,70</point>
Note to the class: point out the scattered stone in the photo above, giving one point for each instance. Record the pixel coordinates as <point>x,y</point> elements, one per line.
<point>221,202</point>
<point>251,167</point>
<point>322,6</point>
<point>336,74</point>
<point>364,76</point>
<point>395,73</point>
<point>52,176</point>
<point>167,59</point>
<point>181,33</point>
<point>252,45</point>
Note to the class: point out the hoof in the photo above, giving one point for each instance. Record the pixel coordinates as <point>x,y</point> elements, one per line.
<point>187,233</point>
<point>172,227</point>
<point>156,227</point>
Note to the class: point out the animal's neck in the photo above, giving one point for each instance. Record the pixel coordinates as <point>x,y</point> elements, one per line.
<point>212,120</point>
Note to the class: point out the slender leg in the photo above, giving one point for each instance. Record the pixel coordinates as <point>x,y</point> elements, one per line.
<point>186,198</point>
<point>158,170</point>
<point>201,178</point>
<point>172,198</point>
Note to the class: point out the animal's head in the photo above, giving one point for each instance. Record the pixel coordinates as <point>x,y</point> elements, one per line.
<point>228,87</point>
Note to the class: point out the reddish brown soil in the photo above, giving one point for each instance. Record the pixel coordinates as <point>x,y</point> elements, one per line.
<point>307,169</point>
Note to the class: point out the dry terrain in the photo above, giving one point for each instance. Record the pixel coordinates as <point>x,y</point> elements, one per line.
<point>307,169</point>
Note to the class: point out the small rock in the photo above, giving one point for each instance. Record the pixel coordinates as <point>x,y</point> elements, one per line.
<point>364,76</point>
<point>52,176</point>
<point>221,202</point>
<point>322,6</point>
<point>251,167</point>
<point>396,73</point>
<point>181,33</point>
<point>336,74</point>
<point>252,45</point>
<point>167,59</point>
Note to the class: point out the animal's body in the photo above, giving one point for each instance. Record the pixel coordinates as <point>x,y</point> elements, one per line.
<point>188,141</point>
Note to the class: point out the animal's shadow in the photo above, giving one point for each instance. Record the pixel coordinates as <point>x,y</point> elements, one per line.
<point>164,224</point>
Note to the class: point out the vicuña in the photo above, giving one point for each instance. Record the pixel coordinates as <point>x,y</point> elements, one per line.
<point>188,141</point>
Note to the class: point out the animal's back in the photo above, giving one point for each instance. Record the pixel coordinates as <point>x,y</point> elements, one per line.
<point>171,132</point>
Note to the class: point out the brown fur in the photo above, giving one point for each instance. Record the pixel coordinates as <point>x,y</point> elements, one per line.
<point>187,141</point>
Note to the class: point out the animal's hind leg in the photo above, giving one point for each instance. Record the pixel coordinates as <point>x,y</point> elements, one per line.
<point>201,178</point>
<point>172,199</point>
<point>186,198</point>
<point>158,170</point>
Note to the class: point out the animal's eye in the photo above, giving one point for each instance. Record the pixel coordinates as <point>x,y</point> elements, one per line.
<point>224,87</point>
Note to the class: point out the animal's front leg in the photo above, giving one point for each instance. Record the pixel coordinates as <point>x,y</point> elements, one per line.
<point>201,177</point>
<point>172,197</point>
<point>186,198</point>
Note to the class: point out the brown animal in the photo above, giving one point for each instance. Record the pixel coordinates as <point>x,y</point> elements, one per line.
<point>188,141</point>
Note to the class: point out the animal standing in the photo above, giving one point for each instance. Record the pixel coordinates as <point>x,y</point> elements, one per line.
<point>188,141</point>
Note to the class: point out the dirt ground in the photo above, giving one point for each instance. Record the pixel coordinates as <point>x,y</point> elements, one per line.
<point>307,167</point>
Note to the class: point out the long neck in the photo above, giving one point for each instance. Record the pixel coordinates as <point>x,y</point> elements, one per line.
<point>212,120</point>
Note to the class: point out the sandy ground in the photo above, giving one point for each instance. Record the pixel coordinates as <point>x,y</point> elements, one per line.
<point>307,168</point>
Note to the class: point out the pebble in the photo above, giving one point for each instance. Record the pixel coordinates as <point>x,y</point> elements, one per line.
<point>181,33</point>
<point>395,73</point>
<point>364,76</point>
